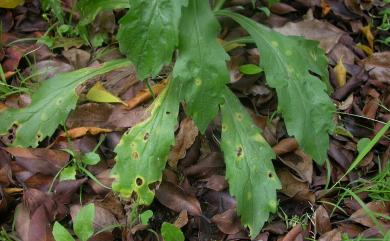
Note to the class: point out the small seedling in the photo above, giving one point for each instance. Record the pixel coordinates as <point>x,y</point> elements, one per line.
<point>82,226</point>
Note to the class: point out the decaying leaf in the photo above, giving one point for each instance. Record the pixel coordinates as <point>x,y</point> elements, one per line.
<point>173,197</point>
<point>184,139</point>
<point>341,73</point>
<point>145,95</point>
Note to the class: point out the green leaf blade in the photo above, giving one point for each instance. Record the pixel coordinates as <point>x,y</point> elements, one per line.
<point>307,110</point>
<point>68,173</point>
<point>249,169</point>
<point>50,105</point>
<point>60,233</point>
<point>83,223</point>
<point>201,66</point>
<point>148,34</point>
<point>143,151</point>
<point>89,9</point>
<point>170,232</point>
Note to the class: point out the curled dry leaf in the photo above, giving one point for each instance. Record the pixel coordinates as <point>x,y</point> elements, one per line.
<point>182,219</point>
<point>293,187</point>
<point>286,145</point>
<point>301,163</point>
<point>82,131</point>
<point>184,140</point>
<point>145,95</point>
<point>322,220</point>
<point>173,197</point>
<point>227,222</point>
<point>341,73</point>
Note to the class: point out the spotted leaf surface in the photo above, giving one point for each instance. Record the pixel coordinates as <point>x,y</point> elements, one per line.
<point>143,151</point>
<point>249,170</point>
<point>51,104</point>
<point>287,62</point>
<point>148,34</point>
<point>201,66</point>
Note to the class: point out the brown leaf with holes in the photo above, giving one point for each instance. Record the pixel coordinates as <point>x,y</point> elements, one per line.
<point>184,140</point>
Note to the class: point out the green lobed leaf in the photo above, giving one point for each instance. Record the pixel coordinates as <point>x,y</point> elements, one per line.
<point>249,169</point>
<point>83,223</point>
<point>170,232</point>
<point>89,9</point>
<point>68,173</point>
<point>146,216</point>
<point>91,158</point>
<point>307,109</point>
<point>50,106</point>
<point>148,34</point>
<point>55,7</point>
<point>201,66</point>
<point>143,151</point>
<point>60,233</point>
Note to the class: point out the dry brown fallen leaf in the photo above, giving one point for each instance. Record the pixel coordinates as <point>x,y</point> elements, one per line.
<point>301,163</point>
<point>360,216</point>
<point>333,235</point>
<point>145,95</point>
<point>327,34</point>
<point>182,219</point>
<point>286,145</point>
<point>82,131</point>
<point>184,139</point>
<point>173,197</point>
<point>322,220</point>
<point>41,160</point>
<point>293,187</point>
<point>228,222</point>
<point>378,66</point>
